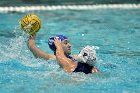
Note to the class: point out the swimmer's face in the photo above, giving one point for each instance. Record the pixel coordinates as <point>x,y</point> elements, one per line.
<point>66,46</point>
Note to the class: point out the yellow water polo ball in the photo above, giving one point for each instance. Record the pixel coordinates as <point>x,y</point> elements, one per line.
<point>30,23</point>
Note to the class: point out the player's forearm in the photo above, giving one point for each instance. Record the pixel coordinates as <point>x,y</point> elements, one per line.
<point>60,56</point>
<point>59,52</point>
<point>31,43</point>
<point>32,46</point>
<point>35,50</point>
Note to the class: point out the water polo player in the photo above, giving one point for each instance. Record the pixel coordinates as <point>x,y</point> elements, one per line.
<point>61,47</point>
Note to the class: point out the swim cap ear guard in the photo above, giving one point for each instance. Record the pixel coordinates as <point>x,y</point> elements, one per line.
<point>51,41</point>
<point>87,55</point>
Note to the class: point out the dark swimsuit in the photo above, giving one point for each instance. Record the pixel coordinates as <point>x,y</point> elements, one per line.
<point>82,67</point>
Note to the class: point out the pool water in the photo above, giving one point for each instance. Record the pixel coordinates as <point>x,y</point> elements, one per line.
<point>115,31</point>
